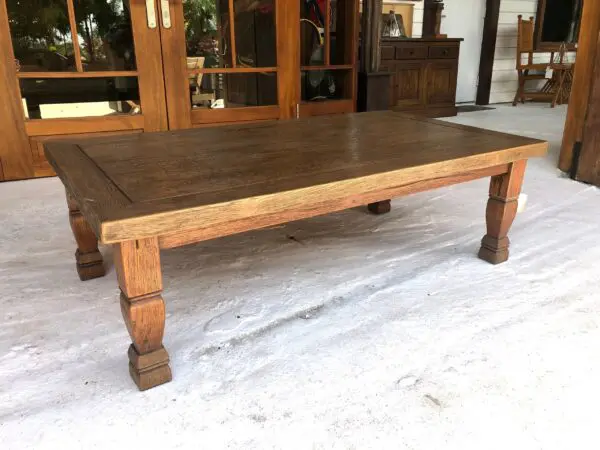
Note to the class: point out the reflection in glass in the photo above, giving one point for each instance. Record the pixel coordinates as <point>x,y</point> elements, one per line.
<point>320,85</point>
<point>207,32</point>
<point>255,33</point>
<point>41,35</point>
<point>79,97</point>
<point>233,90</point>
<point>312,32</point>
<point>104,33</point>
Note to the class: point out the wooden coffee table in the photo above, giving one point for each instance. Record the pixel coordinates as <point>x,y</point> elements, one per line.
<point>147,192</point>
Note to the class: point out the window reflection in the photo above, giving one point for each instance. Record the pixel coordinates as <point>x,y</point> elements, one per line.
<point>43,41</point>
<point>79,97</point>
<point>104,34</point>
<point>208,32</point>
<point>41,35</point>
<point>218,90</point>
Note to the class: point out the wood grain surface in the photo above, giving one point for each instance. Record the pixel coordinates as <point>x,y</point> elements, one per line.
<point>157,184</point>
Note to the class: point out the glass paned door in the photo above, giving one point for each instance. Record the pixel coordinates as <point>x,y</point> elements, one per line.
<point>328,44</point>
<point>220,61</point>
<point>77,58</point>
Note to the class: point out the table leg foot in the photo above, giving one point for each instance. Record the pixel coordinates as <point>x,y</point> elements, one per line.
<point>89,259</point>
<point>137,264</point>
<point>149,370</point>
<point>381,207</point>
<point>500,213</point>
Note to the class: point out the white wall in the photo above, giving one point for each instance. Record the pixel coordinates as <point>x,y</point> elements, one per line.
<point>464,19</point>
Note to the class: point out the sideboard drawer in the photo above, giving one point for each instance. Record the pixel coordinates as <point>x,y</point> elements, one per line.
<point>411,52</point>
<point>443,51</point>
<point>387,52</point>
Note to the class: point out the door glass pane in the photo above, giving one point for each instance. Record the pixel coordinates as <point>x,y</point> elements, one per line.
<point>342,29</point>
<point>104,33</point>
<point>312,32</point>
<point>79,97</point>
<point>207,33</point>
<point>320,85</point>
<point>41,35</point>
<point>233,90</point>
<point>255,33</point>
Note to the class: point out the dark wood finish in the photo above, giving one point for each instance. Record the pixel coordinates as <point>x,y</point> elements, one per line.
<point>161,190</point>
<point>587,167</point>
<point>373,91</point>
<point>15,157</point>
<point>326,108</point>
<point>587,51</point>
<point>488,50</point>
<point>88,258</point>
<point>138,271</point>
<point>432,11</point>
<point>425,73</point>
<point>381,207</point>
<point>500,213</point>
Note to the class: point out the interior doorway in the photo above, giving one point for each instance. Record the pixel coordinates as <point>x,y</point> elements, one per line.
<point>465,19</point>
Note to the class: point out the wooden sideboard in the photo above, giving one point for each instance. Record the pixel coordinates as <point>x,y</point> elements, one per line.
<point>424,74</point>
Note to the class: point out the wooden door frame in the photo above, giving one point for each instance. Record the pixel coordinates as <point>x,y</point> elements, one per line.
<point>22,152</point>
<point>15,155</point>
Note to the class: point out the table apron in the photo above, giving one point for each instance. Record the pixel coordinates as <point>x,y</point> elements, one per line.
<point>192,236</point>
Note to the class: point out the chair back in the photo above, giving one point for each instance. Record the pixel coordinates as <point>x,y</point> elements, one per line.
<point>525,29</point>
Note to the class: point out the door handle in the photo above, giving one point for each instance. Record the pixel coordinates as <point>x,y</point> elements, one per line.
<point>151,14</point>
<point>166,13</point>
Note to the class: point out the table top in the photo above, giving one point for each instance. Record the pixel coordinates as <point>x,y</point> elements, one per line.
<point>135,186</point>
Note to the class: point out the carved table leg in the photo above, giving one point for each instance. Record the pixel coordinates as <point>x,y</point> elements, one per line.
<point>89,258</point>
<point>381,207</point>
<point>138,271</point>
<point>500,213</point>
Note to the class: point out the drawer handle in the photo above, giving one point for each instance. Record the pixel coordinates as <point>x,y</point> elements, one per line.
<point>445,52</point>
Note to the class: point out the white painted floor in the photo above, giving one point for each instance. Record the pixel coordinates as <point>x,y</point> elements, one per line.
<point>346,331</point>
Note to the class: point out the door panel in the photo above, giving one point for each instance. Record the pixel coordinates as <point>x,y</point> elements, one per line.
<point>408,84</point>
<point>441,83</point>
<point>220,59</point>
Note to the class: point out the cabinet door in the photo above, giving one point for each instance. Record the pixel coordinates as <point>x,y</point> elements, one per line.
<point>408,84</point>
<point>441,83</point>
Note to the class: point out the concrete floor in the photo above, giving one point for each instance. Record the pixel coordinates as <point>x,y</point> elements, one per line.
<point>360,332</point>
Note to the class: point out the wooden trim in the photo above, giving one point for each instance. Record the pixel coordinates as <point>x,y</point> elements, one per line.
<point>96,74</point>
<point>191,236</point>
<point>588,165</point>
<point>327,32</point>
<point>329,67</point>
<point>582,82</point>
<point>15,151</point>
<point>326,107</point>
<point>149,62</point>
<point>48,127</point>
<point>231,70</point>
<point>546,46</point>
<point>206,116</point>
<point>232,34</point>
<point>176,79</point>
<point>74,36</point>
<point>488,50</point>
<point>287,28</point>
